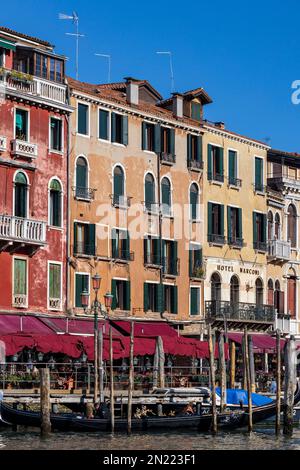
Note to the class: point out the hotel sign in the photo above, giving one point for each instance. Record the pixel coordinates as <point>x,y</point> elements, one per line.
<point>251,271</point>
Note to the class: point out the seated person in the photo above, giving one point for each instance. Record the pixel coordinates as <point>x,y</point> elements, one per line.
<point>188,410</point>
<point>102,410</point>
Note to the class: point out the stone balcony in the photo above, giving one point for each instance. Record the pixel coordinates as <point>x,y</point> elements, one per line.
<point>279,250</point>
<point>21,148</point>
<point>18,232</point>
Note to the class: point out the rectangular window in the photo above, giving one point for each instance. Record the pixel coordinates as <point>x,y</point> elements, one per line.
<point>119,129</point>
<point>170,299</point>
<point>259,231</point>
<point>21,125</point>
<point>82,283</point>
<point>54,287</point>
<point>215,163</point>
<point>232,168</point>
<point>20,283</point>
<point>55,134</point>
<point>152,250</point>
<point>259,178</point>
<point>195,261</point>
<point>121,294</point>
<point>120,245</point>
<point>83,119</point>
<point>148,136</point>
<point>215,223</point>
<point>169,257</point>
<point>194,301</point>
<point>194,151</point>
<point>196,111</point>
<point>103,124</point>
<point>151,297</point>
<point>84,239</point>
<point>234,223</point>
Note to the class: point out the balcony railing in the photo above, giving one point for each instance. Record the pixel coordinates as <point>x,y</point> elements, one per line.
<point>168,158</point>
<point>2,143</point>
<point>170,266</point>
<point>86,194</point>
<point>122,202</point>
<point>197,271</point>
<point>84,249</point>
<point>54,304</point>
<point>279,249</point>
<point>151,207</point>
<point>260,246</point>
<point>259,188</point>
<point>225,310</point>
<point>22,148</point>
<point>233,181</point>
<point>216,239</point>
<point>152,259</point>
<point>16,81</point>
<point>195,164</point>
<point>211,176</point>
<point>19,300</point>
<point>23,230</point>
<point>123,255</point>
<point>236,242</point>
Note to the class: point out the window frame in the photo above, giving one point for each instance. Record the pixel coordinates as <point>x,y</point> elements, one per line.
<point>257,191</point>
<point>56,227</point>
<point>190,301</point>
<point>26,259</point>
<point>57,263</point>
<point>52,150</point>
<point>108,140</point>
<point>88,135</point>
<point>197,219</point>
<point>22,108</point>
<point>89,284</point>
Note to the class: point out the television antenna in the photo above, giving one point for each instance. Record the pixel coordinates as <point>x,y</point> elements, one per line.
<point>107,56</point>
<point>74,17</point>
<point>171,67</point>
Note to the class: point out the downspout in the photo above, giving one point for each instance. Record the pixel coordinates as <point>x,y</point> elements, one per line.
<point>160,231</point>
<point>68,207</point>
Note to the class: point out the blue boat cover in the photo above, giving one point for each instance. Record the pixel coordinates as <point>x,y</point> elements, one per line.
<point>235,396</point>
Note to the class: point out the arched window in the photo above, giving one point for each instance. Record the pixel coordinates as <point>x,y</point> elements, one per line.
<point>149,192</point>
<point>119,186</point>
<point>234,290</point>
<point>277,226</point>
<point>291,293</point>
<point>270,225</point>
<point>21,191</point>
<point>215,287</point>
<point>194,202</point>
<point>270,292</point>
<point>292,225</point>
<point>82,178</point>
<point>259,292</point>
<point>166,196</point>
<point>278,298</point>
<point>55,213</point>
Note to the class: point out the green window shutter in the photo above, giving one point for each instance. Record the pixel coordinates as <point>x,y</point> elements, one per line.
<point>157,138</point>
<point>20,276</point>
<point>240,223</point>
<point>81,173</point>
<point>232,166</point>
<point>193,202</point>
<point>160,298</point>
<point>174,300</point>
<point>254,228</point>
<point>199,148</point>
<point>127,295</point>
<point>144,136</point>
<point>125,130</point>
<point>149,192</point>
<point>264,228</point>
<point>118,182</point>
<point>221,220</point>
<point>75,238</point>
<point>91,248</point>
<point>146,297</point>
<point>191,261</point>
<point>157,254</point>
<point>20,199</point>
<point>209,162</point>
<point>258,173</point>
<point>189,147</point>
<point>166,192</point>
<point>221,160</point>
<point>229,234</point>
<point>198,257</point>
<point>82,119</point>
<point>172,141</point>
<point>103,124</point>
<point>196,111</point>
<point>127,245</point>
<point>146,254</point>
<point>164,260</point>
<point>194,301</point>
<point>114,243</point>
<point>174,257</point>
<point>113,127</point>
<point>114,293</point>
<point>54,281</point>
<point>209,219</point>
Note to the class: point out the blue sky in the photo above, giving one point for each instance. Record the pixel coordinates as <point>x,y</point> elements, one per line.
<point>245,54</point>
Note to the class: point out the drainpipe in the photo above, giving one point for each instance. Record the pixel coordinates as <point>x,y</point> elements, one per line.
<point>160,229</point>
<point>68,211</point>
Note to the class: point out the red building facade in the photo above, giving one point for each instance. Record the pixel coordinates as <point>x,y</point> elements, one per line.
<point>33,175</point>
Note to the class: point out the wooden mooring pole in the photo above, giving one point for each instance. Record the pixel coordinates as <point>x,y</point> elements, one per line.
<point>232,364</point>
<point>213,380</point>
<point>222,367</point>
<point>131,379</point>
<point>251,364</point>
<point>45,401</point>
<point>250,424</point>
<point>244,365</point>
<point>100,364</point>
<point>289,385</point>
<point>112,398</point>
<point>278,383</point>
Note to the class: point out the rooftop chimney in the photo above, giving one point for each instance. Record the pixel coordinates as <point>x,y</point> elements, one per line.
<point>132,90</point>
<point>177,105</point>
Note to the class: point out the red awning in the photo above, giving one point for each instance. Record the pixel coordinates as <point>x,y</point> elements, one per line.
<point>72,326</point>
<point>12,324</point>
<point>152,329</point>
<point>261,343</point>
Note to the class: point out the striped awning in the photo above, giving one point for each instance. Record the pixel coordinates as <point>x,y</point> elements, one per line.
<point>7,44</point>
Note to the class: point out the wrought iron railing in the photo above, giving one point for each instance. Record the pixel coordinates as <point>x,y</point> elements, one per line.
<point>124,255</point>
<point>120,201</point>
<point>168,158</point>
<point>152,259</point>
<point>236,242</point>
<point>260,246</point>
<point>83,193</point>
<point>233,181</point>
<point>216,239</point>
<point>170,266</point>
<point>195,164</point>
<point>212,176</point>
<point>259,187</point>
<point>222,309</point>
<point>83,248</point>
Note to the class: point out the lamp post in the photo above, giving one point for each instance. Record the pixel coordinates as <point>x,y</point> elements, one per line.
<point>96,308</point>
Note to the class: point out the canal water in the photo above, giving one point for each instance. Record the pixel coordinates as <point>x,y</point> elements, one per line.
<point>262,438</point>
